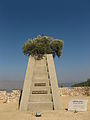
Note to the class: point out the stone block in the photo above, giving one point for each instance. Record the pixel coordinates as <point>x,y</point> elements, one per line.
<point>39,98</point>
<point>42,89</point>
<point>38,106</point>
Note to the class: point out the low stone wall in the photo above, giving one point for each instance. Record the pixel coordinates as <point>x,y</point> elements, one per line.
<point>14,95</point>
<point>74,91</point>
<point>6,97</point>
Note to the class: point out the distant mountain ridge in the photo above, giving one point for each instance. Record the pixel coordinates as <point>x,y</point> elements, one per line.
<point>10,85</point>
<point>82,84</point>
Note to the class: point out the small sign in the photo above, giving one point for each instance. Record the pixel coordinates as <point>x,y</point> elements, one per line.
<point>78,105</point>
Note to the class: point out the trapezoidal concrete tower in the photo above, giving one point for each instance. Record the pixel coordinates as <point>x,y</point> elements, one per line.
<point>40,90</point>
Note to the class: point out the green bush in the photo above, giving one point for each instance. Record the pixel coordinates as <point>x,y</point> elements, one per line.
<point>42,45</point>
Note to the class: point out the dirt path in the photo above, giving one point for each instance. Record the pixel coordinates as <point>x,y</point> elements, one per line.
<point>10,112</point>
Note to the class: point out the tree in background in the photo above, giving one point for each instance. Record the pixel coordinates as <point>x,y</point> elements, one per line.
<point>42,45</point>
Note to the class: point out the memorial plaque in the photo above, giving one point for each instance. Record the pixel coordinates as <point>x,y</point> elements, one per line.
<point>40,92</point>
<point>40,84</point>
<point>78,105</point>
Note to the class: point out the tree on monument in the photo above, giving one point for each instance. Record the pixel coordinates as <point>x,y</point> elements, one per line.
<point>42,45</point>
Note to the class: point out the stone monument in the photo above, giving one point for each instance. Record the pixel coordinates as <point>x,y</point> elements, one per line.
<point>40,90</point>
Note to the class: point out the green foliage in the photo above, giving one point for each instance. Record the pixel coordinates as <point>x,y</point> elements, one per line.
<point>82,84</point>
<point>41,45</point>
<point>61,86</point>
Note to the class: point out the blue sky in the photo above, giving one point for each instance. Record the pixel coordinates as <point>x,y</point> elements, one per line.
<point>68,20</point>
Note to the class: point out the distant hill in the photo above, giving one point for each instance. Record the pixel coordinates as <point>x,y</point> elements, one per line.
<point>10,85</point>
<point>82,84</point>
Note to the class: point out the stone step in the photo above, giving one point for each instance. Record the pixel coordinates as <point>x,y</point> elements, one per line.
<point>39,84</point>
<point>40,65</point>
<point>42,60</point>
<point>39,106</point>
<point>36,80</point>
<point>40,98</point>
<point>40,70</point>
<point>40,80</point>
<point>40,76</point>
<point>40,90</point>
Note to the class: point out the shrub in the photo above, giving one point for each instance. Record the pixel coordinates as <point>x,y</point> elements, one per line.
<point>42,45</point>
